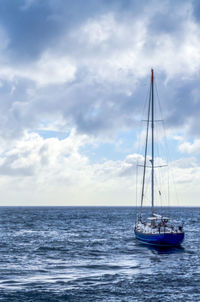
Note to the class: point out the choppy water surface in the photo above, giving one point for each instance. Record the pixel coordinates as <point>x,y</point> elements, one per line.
<point>90,254</point>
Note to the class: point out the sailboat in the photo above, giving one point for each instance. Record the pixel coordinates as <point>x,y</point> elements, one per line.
<point>156,229</point>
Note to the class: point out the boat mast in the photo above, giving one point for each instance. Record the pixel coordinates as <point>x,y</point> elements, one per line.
<point>152,133</point>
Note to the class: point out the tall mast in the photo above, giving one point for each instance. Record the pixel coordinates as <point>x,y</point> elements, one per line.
<point>152,151</point>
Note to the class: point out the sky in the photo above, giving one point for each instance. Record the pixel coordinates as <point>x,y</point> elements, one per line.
<point>74,77</point>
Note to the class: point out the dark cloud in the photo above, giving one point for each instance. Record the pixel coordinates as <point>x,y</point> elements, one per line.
<point>40,25</point>
<point>91,105</point>
<point>91,108</point>
<point>185,104</point>
<point>196,9</point>
<point>29,30</point>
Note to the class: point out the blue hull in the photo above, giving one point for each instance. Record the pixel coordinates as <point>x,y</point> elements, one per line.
<point>164,239</point>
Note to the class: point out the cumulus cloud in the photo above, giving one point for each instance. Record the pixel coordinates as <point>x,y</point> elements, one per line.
<point>54,168</point>
<point>48,70</point>
<point>190,148</point>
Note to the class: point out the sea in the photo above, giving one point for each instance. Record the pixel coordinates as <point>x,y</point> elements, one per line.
<point>90,254</point>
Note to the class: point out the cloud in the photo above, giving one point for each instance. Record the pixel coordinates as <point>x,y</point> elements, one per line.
<point>99,62</point>
<point>52,171</point>
<point>46,166</point>
<point>29,28</point>
<point>48,70</point>
<point>190,148</point>
<point>83,68</point>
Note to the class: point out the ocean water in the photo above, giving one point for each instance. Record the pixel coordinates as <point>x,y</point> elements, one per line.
<point>90,254</point>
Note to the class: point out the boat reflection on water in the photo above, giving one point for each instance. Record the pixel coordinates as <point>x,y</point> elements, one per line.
<point>160,249</point>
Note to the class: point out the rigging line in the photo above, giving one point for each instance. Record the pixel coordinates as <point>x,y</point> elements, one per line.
<point>146,100</point>
<point>136,191</point>
<point>164,147</point>
<point>147,189</point>
<point>158,185</point>
<point>152,138</point>
<point>169,170</point>
<point>140,147</point>
<point>139,144</point>
<point>161,173</point>
<point>145,155</point>
<point>161,114</point>
<point>169,157</point>
<point>168,188</point>
<point>157,175</point>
